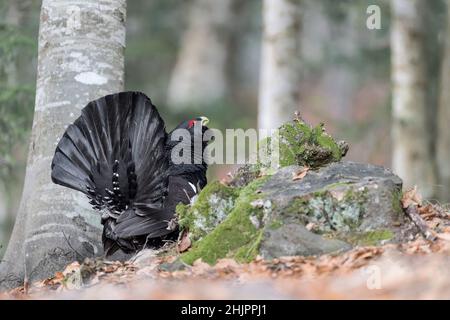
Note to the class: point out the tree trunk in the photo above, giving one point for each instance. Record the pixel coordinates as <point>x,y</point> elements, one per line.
<point>443,134</point>
<point>200,76</point>
<point>411,142</point>
<point>279,79</point>
<point>80,58</point>
<point>14,17</point>
<point>3,216</point>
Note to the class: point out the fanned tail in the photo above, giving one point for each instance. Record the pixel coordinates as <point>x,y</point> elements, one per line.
<point>115,154</point>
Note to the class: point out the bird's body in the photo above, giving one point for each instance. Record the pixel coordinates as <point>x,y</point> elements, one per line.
<point>119,154</point>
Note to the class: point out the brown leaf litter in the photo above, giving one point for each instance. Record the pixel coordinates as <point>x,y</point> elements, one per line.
<point>417,269</point>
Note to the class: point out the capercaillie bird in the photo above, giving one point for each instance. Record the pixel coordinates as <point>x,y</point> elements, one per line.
<point>119,155</point>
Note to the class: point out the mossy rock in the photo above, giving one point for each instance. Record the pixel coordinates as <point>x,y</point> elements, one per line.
<point>239,234</point>
<point>330,209</point>
<point>301,144</point>
<point>211,207</point>
<point>356,204</point>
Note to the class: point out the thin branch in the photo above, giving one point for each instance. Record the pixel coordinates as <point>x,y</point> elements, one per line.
<point>413,213</point>
<point>68,242</point>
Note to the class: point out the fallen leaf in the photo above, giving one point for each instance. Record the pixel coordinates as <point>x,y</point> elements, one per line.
<point>411,197</point>
<point>185,242</point>
<point>443,236</point>
<point>74,266</point>
<point>300,174</point>
<point>200,267</point>
<point>227,264</point>
<point>311,226</point>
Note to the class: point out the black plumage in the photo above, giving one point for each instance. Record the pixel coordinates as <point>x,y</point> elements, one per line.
<point>118,153</point>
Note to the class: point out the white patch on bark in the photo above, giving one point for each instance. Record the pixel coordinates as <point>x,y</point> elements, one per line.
<point>90,78</point>
<point>55,104</point>
<point>48,226</point>
<point>105,65</point>
<point>40,236</point>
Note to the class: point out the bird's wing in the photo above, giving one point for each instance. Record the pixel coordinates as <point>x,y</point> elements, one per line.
<point>155,223</point>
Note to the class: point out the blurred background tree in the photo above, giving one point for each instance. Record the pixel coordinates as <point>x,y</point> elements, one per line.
<point>200,76</point>
<point>18,43</point>
<point>443,115</point>
<point>344,76</point>
<point>280,63</point>
<point>412,156</point>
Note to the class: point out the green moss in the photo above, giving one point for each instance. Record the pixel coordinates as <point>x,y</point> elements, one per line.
<point>335,185</point>
<point>236,236</point>
<point>397,204</point>
<point>308,146</point>
<point>276,224</point>
<point>211,207</point>
<point>249,251</point>
<point>369,238</point>
<point>301,144</point>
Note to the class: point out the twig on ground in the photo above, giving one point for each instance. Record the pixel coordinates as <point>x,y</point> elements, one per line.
<point>413,213</point>
<point>68,242</point>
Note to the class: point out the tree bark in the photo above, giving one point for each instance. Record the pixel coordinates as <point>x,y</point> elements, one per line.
<point>80,58</point>
<point>279,79</point>
<point>3,215</point>
<point>200,76</point>
<point>14,17</point>
<point>412,157</point>
<point>443,116</point>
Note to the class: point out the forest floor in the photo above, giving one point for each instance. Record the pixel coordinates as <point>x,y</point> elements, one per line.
<point>417,269</point>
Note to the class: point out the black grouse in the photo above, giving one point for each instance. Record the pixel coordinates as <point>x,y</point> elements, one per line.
<point>119,154</point>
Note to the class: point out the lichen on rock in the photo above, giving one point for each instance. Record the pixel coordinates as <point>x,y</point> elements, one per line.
<point>330,210</point>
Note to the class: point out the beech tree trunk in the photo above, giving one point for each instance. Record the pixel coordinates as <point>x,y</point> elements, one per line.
<point>412,157</point>
<point>280,61</point>
<point>3,215</point>
<point>443,116</point>
<point>13,18</point>
<point>80,58</point>
<point>200,76</point>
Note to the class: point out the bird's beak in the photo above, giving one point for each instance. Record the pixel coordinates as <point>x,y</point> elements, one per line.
<point>204,121</point>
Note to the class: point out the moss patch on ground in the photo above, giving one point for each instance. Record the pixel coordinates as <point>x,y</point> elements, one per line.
<point>237,236</point>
